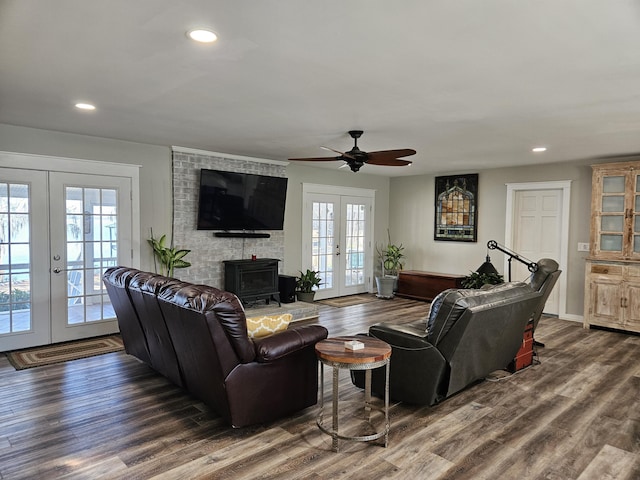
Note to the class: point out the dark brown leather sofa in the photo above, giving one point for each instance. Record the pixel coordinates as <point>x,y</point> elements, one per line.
<point>196,336</point>
<point>468,334</point>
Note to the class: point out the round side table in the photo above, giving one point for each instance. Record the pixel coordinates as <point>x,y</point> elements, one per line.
<point>376,353</point>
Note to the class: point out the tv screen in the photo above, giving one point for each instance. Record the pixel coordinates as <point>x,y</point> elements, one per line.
<point>240,201</point>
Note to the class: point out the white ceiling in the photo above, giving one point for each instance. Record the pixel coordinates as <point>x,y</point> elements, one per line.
<point>469,84</point>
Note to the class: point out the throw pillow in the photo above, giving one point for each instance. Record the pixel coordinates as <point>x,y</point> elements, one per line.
<point>267,325</point>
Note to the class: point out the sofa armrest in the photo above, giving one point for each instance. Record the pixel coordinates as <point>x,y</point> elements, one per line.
<point>406,334</point>
<point>284,343</point>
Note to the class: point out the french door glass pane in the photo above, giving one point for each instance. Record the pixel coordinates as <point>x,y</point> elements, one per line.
<point>355,225</point>
<point>611,243</point>
<point>613,184</point>
<point>613,204</point>
<point>636,244</point>
<point>15,258</point>
<point>612,223</point>
<point>322,239</point>
<point>91,217</point>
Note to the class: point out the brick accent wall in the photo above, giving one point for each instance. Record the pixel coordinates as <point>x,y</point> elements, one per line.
<point>207,251</point>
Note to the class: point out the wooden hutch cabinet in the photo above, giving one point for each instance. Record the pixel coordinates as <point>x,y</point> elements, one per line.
<point>612,280</point>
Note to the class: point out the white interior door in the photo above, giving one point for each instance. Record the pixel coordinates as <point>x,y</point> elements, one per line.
<point>537,234</point>
<point>90,231</point>
<point>337,241</point>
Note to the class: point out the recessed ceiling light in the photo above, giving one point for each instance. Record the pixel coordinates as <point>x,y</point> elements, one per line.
<point>202,35</point>
<point>539,149</point>
<point>85,106</point>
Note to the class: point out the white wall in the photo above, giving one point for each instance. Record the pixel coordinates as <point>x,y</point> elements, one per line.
<point>412,201</point>
<point>299,174</point>
<point>155,171</point>
<point>156,188</point>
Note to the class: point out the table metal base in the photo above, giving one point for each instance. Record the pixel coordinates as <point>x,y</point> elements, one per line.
<point>368,406</point>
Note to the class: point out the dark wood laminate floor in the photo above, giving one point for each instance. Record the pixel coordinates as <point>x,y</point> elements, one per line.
<point>576,415</point>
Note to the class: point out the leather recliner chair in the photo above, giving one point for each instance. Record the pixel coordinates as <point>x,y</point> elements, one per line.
<point>543,280</point>
<point>469,334</point>
<point>197,336</point>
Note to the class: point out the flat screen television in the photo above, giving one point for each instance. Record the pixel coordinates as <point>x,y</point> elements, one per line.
<point>240,201</point>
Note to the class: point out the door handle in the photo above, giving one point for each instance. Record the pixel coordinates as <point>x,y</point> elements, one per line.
<point>60,270</point>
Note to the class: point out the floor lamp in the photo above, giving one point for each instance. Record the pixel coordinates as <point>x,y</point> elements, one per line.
<point>531,266</point>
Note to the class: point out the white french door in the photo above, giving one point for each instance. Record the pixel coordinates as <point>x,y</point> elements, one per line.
<point>90,231</point>
<point>337,232</point>
<point>24,260</point>
<point>58,233</point>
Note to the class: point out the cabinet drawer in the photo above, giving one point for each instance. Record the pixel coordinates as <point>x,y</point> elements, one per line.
<point>606,269</point>
<point>633,271</point>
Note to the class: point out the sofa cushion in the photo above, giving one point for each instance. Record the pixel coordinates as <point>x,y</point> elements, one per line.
<point>267,324</point>
<point>225,306</point>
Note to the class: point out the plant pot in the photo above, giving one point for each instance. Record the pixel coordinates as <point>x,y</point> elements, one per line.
<point>306,296</point>
<point>385,286</point>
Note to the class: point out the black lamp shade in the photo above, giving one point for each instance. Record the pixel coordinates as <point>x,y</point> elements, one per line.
<point>487,267</point>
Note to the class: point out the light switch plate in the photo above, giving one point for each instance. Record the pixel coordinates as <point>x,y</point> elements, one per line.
<point>583,247</point>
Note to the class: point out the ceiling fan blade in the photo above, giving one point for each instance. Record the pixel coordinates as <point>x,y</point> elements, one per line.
<point>318,159</point>
<point>391,154</point>
<point>389,162</point>
<point>390,157</point>
<point>338,151</point>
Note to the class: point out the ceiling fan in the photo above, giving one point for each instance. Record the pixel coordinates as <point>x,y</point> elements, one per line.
<point>356,158</point>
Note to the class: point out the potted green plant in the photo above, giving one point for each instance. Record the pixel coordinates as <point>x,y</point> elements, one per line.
<point>477,279</point>
<point>305,284</point>
<point>169,257</point>
<point>391,260</point>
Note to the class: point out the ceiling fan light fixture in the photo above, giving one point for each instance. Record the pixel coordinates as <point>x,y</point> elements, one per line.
<point>356,158</point>
<point>202,35</point>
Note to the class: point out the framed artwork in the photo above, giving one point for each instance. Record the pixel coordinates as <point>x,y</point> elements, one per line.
<point>456,218</point>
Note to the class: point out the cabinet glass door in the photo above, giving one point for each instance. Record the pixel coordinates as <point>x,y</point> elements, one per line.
<point>612,216</point>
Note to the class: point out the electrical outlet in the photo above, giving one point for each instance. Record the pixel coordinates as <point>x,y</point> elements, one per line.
<point>583,247</point>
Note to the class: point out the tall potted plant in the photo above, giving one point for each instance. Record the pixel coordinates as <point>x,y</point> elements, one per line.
<point>169,258</point>
<point>305,284</point>
<point>391,260</point>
